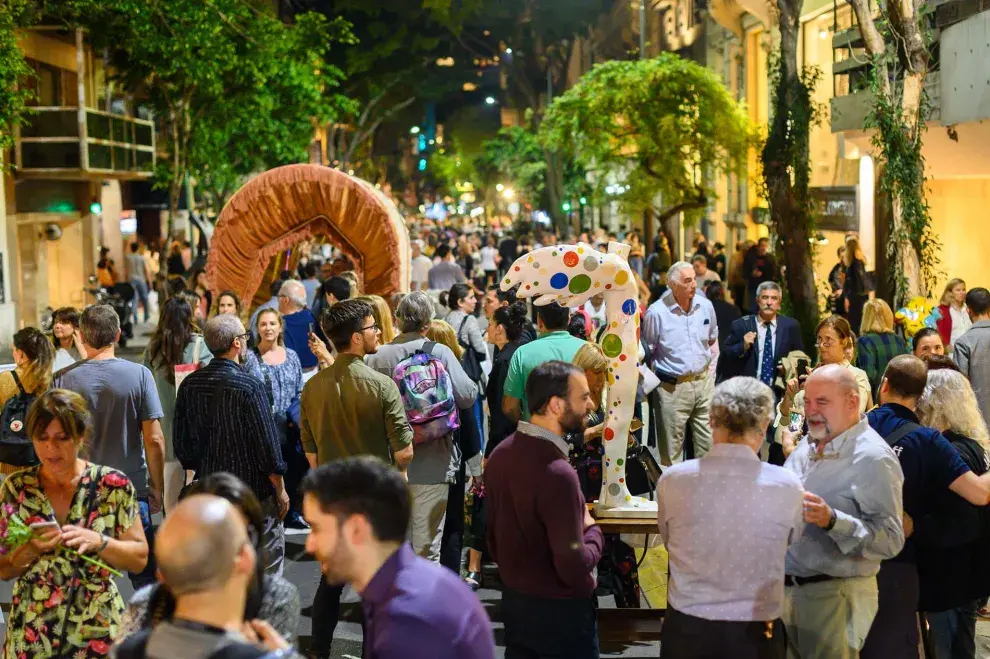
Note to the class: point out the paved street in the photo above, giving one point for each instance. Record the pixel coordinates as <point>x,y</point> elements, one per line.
<point>304,573</point>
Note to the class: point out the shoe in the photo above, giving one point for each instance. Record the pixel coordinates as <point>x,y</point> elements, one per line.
<point>473,580</point>
<point>295,521</point>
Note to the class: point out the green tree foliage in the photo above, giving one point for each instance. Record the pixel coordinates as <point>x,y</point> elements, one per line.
<point>514,158</point>
<point>665,127</point>
<point>232,86</point>
<point>14,71</point>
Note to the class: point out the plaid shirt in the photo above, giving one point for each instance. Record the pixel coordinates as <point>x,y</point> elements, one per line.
<point>874,351</point>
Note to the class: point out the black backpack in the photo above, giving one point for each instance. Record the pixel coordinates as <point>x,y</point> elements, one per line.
<point>15,446</point>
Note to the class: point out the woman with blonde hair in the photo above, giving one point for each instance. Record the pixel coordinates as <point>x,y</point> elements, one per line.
<point>382,314</point>
<point>856,289</point>
<point>954,582</point>
<point>955,319</point>
<point>877,343</point>
<point>34,355</point>
<point>440,331</point>
<point>587,449</point>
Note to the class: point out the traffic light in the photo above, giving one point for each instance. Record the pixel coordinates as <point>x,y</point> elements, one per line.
<point>566,206</point>
<point>583,200</point>
<point>95,208</point>
<point>422,164</point>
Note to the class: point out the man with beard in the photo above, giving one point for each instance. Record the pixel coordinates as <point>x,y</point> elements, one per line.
<point>539,531</point>
<point>852,505</point>
<point>358,509</point>
<point>350,409</point>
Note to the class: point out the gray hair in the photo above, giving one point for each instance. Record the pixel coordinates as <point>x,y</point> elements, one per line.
<point>768,285</point>
<point>674,273</point>
<point>415,312</point>
<point>948,403</point>
<point>221,330</point>
<point>294,290</point>
<point>742,404</point>
<point>99,326</point>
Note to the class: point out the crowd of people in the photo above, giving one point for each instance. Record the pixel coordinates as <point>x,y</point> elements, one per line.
<point>813,507</point>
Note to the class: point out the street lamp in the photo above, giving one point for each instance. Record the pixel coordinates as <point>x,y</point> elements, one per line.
<point>414,130</point>
<point>499,187</point>
<point>490,100</point>
<point>508,193</point>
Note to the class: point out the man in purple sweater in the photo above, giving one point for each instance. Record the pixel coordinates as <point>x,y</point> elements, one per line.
<point>540,533</point>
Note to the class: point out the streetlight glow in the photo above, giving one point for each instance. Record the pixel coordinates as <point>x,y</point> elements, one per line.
<point>499,187</point>
<point>490,100</point>
<point>414,130</point>
<point>508,51</point>
<point>508,193</point>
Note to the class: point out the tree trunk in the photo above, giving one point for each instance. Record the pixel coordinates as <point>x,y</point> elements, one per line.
<point>786,172</point>
<point>913,58</point>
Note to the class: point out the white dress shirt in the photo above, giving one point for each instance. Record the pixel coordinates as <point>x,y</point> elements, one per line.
<point>727,519</point>
<point>678,341</point>
<point>860,477</point>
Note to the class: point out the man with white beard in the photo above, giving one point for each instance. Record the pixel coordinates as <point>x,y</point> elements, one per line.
<point>852,507</point>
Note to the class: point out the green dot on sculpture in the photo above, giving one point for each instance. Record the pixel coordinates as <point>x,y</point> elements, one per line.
<point>580,284</point>
<point>612,345</point>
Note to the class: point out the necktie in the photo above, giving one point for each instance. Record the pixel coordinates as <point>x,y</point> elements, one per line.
<point>766,364</point>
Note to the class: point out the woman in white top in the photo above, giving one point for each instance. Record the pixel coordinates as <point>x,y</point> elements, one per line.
<point>66,337</point>
<point>955,318</point>
<point>489,262</point>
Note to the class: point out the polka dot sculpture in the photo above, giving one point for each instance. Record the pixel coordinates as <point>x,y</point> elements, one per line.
<point>570,275</point>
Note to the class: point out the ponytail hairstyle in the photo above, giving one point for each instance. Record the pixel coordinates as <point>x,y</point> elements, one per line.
<point>36,373</point>
<point>512,318</point>
<point>457,293</point>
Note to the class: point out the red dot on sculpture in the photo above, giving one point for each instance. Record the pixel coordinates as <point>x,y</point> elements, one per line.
<point>570,259</point>
<point>608,286</point>
<point>517,268</point>
<point>609,434</point>
<point>622,480</point>
<point>622,358</point>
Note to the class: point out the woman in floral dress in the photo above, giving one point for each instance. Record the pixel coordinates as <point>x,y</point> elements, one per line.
<point>63,606</point>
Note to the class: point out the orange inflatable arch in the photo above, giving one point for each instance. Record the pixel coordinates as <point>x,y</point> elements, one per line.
<point>280,208</point>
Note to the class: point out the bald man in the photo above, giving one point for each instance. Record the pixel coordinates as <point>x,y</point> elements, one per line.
<point>207,561</point>
<point>852,509</point>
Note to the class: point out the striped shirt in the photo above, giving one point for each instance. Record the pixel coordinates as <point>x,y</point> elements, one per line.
<point>224,422</point>
<point>874,352</point>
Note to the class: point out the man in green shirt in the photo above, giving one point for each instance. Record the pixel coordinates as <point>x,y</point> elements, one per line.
<point>350,409</point>
<point>554,344</point>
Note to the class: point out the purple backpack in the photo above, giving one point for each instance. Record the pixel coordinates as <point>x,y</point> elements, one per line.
<point>427,394</point>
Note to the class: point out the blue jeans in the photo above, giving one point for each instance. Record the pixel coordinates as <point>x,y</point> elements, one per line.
<point>146,576</point>
<point>953,633</point>
<point>141,294</point>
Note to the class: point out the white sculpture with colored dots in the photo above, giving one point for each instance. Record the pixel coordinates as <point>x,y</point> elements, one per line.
<point>570,275</point>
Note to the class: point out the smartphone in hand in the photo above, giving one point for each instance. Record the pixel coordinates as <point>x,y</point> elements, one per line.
<point>41,526</point>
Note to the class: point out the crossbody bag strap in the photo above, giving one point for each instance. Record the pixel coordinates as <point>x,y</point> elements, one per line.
<point>199,341</point>
<point>94,483</point>
<point>901,433</point>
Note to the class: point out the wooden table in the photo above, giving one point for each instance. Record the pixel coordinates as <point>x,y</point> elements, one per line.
<point>625,625</point>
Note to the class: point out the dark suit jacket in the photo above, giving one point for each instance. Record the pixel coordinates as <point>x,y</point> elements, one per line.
<point>788,339</point>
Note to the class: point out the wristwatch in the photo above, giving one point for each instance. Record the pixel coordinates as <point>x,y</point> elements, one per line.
<point>106,541</point>
<point>831,522</point>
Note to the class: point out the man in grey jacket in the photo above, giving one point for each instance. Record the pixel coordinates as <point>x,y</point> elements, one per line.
<point>972,350</point>
<point>435,464</point>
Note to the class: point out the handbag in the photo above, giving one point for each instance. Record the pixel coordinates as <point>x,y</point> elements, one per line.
<point>642,471</point>
<point>471,360</point>
<point>182,371</point>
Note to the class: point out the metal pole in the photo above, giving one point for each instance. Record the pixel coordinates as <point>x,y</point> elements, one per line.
<point>642,29</point>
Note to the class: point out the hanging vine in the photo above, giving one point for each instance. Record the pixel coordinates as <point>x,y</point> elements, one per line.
<point>898,139</point>
<point>786,165</point>
<point>14,94</point>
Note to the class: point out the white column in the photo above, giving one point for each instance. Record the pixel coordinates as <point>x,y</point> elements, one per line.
<point>867,225</point>
<point>8,310</point>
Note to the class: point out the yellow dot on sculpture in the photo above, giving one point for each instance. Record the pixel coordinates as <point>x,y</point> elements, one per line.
<point>543,271</point>
<point>597,284</point>
<point>580,250</point>
<point>530,259</point>
<point>628,498</point>
<point>622,277</point>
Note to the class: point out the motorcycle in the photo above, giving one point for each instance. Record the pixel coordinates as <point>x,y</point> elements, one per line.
<point>120,296</point>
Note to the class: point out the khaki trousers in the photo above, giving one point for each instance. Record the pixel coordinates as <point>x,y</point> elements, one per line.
<point>680,405</point>
<point>829,620</point>
<point>429,508</point>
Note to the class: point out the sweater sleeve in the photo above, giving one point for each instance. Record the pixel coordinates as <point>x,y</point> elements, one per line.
<point>561,506</point>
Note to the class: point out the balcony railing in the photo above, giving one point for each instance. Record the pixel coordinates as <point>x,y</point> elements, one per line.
<point>54,141</point>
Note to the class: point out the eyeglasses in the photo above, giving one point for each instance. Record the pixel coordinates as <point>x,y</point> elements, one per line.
<point>372,326</point>
<point>826,343</point>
